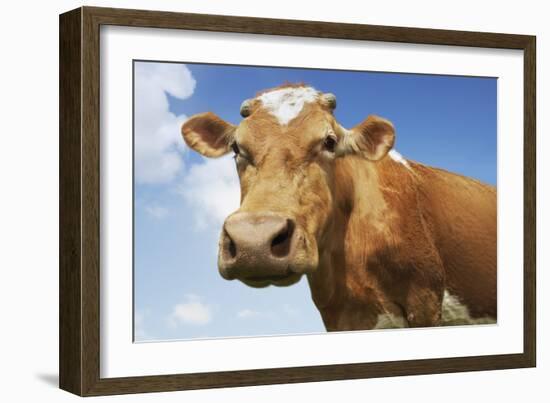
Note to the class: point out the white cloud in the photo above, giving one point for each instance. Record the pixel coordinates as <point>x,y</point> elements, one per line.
<point>140,333</point>
<point>212,190</point>
<point>157,212</point>
<point>191,312</point>
<point>247,313</point>
<point>158,142</point>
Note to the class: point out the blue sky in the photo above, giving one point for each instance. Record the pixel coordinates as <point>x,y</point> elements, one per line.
<point>181,198</point>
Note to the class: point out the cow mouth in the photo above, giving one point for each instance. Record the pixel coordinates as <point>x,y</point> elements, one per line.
<point>280,280</point>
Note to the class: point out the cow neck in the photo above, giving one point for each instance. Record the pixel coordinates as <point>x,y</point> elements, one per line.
<point>359,212</point>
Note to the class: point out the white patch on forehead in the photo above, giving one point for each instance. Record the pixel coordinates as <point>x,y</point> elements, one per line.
<point>455,312</point>
<point>394,155</point>
<point>287,103</point>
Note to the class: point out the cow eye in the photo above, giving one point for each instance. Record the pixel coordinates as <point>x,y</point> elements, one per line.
<point>241,155</point>
<point>330,143</point>
<point>235,148</point>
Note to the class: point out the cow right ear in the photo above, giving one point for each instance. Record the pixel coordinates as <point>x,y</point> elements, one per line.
<point>373,138</point>
<point>208,134</point>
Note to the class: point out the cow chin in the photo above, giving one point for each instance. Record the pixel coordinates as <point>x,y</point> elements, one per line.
<point>279,281</point>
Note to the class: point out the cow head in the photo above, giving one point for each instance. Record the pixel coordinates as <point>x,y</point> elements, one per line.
<point>285,150</point>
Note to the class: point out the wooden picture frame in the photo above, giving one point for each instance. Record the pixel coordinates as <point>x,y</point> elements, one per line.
<point>79,346</point>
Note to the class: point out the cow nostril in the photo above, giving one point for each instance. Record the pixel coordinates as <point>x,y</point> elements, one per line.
<point>229,247</point>
<point>280,245</point>
<point>232,248</point>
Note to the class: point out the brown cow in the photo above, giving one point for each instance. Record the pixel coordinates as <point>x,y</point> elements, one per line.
<point>383,241</point>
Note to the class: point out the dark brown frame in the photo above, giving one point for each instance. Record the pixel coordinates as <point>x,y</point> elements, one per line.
<point>79,200</point>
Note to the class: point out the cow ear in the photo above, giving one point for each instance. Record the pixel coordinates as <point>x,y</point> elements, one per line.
<point>208,134</point>
<point>373,138</point>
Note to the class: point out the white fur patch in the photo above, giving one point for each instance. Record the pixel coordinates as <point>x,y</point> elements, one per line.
<point>394,155</point>
<point>390,321</point>
<point>453,312</point>
<point>456,313</point>
<point>287,103</point>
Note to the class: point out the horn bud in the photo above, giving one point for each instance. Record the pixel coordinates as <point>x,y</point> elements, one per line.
<point>330,100</point>
<point>246,108</point>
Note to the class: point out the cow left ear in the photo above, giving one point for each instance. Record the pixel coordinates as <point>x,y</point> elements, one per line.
<point>373,138</point>
<point>208,134</point>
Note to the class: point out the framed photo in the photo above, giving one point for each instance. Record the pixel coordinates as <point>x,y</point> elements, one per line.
<point>249,201</point>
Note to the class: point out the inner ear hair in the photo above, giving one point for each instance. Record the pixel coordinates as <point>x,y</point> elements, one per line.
<point>374,137</point>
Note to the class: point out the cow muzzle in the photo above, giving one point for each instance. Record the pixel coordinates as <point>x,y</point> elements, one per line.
<point>262,249</point>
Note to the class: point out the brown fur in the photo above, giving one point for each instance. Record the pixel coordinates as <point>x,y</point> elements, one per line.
<point>379,237</point>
